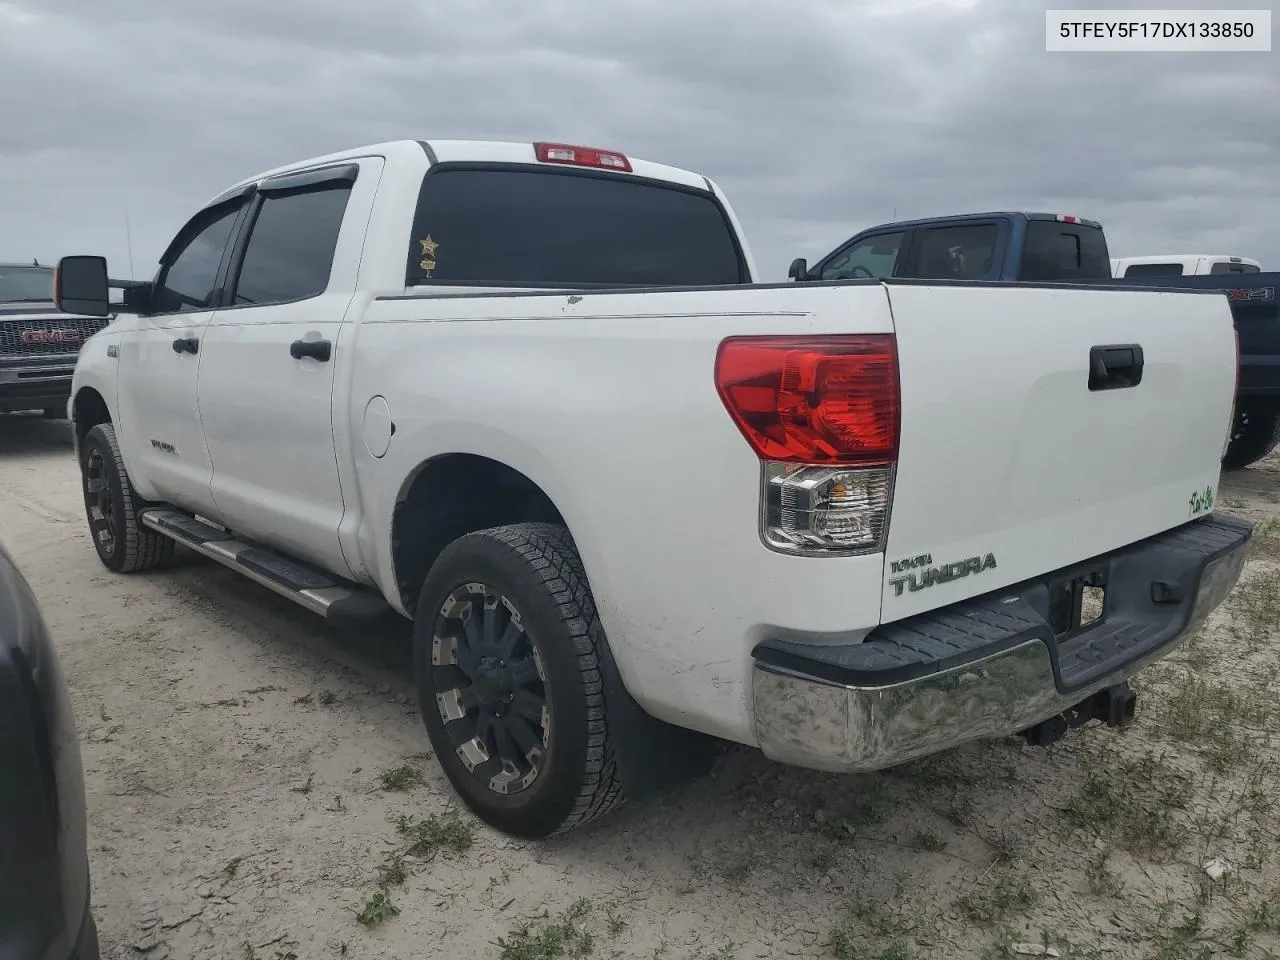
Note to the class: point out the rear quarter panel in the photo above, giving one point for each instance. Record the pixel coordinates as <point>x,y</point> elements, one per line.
<point>608,403</point>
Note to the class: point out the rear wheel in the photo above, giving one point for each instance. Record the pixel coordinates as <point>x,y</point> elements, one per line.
<point>509,682</point>
<point>113,507</point>
<point>1255,432</point>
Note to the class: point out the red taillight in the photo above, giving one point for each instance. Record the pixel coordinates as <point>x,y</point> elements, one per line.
<point>582,156</point>
<point>1063,218</point>
<point>825,400</point>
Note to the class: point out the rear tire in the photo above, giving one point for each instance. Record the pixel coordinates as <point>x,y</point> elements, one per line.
<point>1254,434</point>
<point>112,508</point>
<point>509,684</point>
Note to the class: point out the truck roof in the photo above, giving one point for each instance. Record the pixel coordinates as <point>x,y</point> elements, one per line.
<point>472,151</point>
<point>988,215</point>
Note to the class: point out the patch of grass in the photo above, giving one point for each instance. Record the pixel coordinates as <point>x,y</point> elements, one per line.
<point>403,777</point>
<point>1256,602</point>
<point>1009,895</point>
<point>869,931</point>
<point>1266,539</point>
<point>393,872</point>
<point>328,698</point>
<point>1103,881</point>
<point>304,700</point>
<point>1183,941</point>
<point>930,842</point>
<point>1134,803</point>
<point>437,832</point>
<point>231,869</point>
<point>378,910</point>
<point>564,936</point>
<point>737,866</point>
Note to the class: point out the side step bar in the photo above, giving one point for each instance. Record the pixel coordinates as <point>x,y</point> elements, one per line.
<point>319,592</point>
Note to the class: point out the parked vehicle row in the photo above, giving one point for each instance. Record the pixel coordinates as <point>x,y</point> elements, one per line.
<point>1040,247</point>
<point>531,397</point>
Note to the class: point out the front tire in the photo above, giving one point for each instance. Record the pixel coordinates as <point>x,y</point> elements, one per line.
<point>509,682</point>
<point>1254,434</point>
<point>112,508</point>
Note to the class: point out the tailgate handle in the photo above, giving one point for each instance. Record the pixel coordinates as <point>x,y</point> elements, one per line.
<point>1115,366</point>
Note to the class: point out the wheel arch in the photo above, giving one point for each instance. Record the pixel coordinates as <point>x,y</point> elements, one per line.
<point>88,409</point>
<point>450,495</point>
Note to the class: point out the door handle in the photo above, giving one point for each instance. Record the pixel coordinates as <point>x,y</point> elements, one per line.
<point>316,349</point>
<point>186,345</point>
<point>1115,366</point>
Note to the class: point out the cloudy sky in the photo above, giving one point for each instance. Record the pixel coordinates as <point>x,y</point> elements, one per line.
<point>818,117</point>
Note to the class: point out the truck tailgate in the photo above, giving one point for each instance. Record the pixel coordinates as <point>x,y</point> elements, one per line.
<point>1013,464</point>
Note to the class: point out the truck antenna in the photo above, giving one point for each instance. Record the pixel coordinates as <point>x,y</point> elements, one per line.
<point>128,239</point>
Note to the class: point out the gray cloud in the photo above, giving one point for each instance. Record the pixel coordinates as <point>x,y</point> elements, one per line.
<point>819,117</point>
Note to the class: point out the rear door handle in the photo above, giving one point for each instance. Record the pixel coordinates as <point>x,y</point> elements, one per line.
<point>1115,366</point>
<point>316,349</point>
<point>186,345</point>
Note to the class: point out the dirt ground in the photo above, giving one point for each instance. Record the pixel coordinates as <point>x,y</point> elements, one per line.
<point>249,771</point>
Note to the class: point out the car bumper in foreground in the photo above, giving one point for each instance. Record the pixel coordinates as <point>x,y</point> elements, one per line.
<point>995,665</point>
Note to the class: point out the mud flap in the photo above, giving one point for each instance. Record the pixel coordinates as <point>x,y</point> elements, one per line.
<point>653,757</point>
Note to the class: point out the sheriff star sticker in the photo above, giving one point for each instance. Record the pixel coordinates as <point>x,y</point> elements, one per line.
<point>429,247</point>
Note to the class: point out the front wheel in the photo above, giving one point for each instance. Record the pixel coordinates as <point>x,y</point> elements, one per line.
<point>509,681</point>
<point>1254,434</point>
<point>112,507</point>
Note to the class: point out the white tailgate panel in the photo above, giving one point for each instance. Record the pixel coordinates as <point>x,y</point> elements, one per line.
<point>1006,451</point>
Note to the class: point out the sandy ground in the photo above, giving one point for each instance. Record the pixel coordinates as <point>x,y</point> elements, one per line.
<point>235,746</point>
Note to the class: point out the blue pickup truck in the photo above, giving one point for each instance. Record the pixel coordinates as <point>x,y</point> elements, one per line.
<point>1053,248</point>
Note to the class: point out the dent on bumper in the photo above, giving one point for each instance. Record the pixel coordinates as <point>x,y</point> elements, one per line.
<point>821,723</point>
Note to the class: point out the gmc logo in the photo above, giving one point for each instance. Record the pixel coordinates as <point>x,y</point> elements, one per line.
<point>49,336</point>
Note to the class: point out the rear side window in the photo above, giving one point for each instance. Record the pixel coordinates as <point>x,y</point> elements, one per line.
<point>1064,251</point>
<point>553,228</point>
<point>291,246</point>
<point>1221,267</point>
<point>959,252</point>
<point>1153,270</point>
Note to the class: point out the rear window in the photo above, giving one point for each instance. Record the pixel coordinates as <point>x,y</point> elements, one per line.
<point>25,284</point>
<point>1222,267</point>
<point>553,228</point>
<point>1064,251</point>
<point>1153,270</point>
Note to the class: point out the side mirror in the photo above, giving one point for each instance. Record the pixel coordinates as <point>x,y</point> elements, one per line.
<point>80,286</point>
<point>799,269</point>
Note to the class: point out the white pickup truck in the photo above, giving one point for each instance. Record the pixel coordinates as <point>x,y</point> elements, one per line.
<point>529,396</point>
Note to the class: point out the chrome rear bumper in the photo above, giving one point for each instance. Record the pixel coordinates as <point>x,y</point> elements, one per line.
<point>989,667</point>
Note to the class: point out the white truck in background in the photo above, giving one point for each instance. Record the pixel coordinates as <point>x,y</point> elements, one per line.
<point>1183,265</point>
<point>529,396</point>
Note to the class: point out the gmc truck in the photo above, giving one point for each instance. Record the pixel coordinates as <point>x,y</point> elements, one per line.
<point>38,343</point>
<point>530,396</point>
<point>1055,248</point>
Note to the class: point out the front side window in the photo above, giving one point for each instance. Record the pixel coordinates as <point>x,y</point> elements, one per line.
<point>869,258</point>
<point>560,228</point>
<point>291,246</point>
<point>189,281</point>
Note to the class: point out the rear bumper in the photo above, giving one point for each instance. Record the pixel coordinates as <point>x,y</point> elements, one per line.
<point>35,384</point>
<point>991,666</point>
